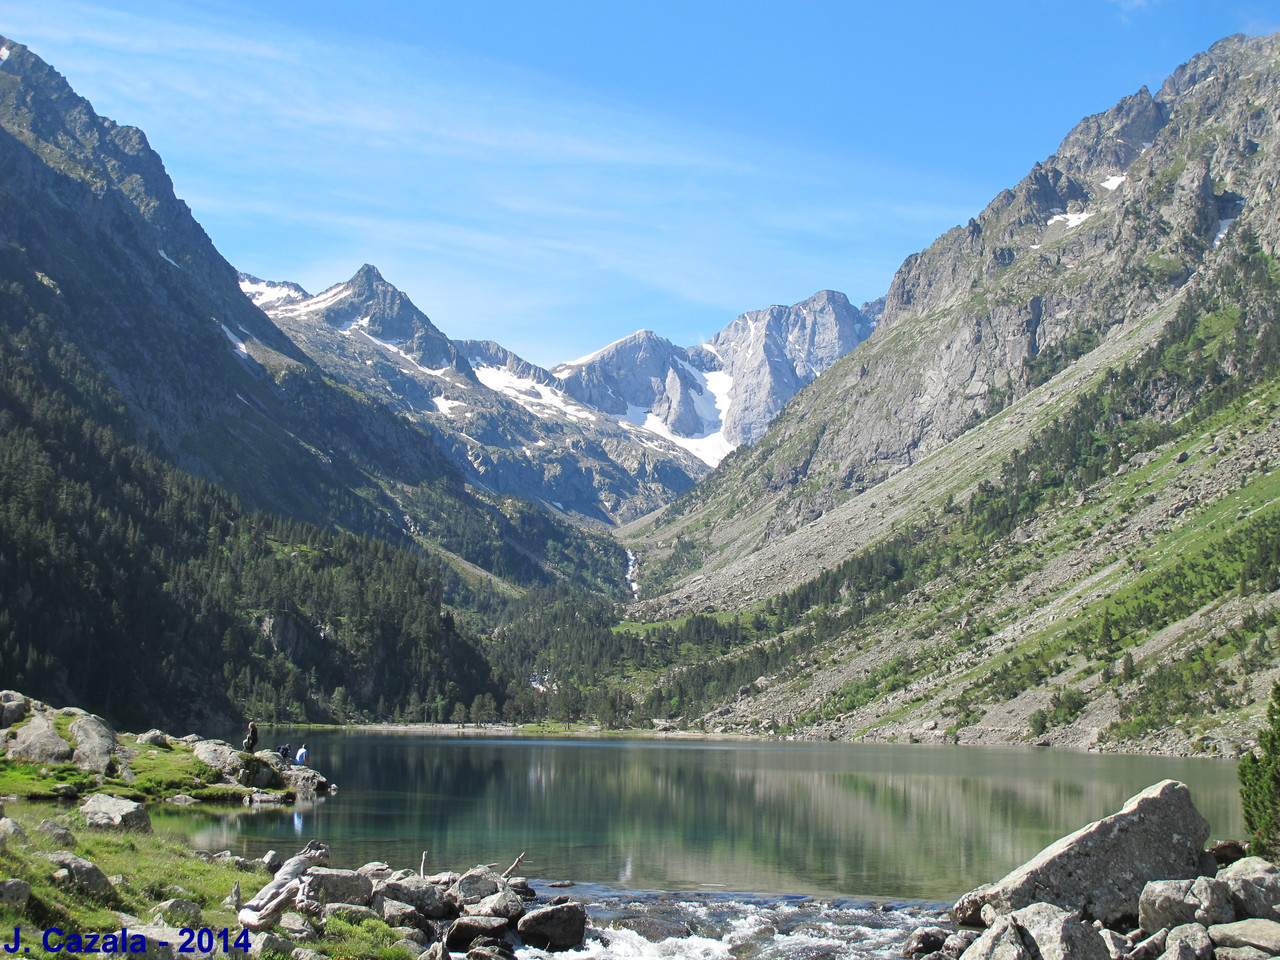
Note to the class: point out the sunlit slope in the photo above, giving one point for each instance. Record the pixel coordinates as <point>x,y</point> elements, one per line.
<point>1085,253</point>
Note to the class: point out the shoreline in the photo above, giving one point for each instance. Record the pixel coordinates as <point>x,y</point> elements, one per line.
<point>592,731</point>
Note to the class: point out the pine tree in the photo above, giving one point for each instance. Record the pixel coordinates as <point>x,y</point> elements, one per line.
<point>1260,785</point>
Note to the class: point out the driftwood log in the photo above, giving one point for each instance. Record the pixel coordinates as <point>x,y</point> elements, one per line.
<point>269,904</point>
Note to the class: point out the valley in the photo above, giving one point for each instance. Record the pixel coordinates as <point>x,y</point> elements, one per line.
<point>1027,498</point>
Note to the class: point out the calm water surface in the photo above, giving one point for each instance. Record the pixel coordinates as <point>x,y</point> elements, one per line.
<point>825,820</point>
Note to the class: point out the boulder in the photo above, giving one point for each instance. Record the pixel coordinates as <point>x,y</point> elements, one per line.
<point>39,741</point>
<point>11,829</point>
<point>15,894</point>
<point>411,933</point>
<point>57,833</point>
<point>13,707</point>
<point>331,885</point>
<point>95,744</point>
<point>82,874</point>
<point>1059,935</point>
<point>103,812</point>
<point>1104,866</point>
<point>303,780</point>
<point>411,946</point>
<point>1192,939</point>
<point>426,897</point>
<point>924,940</point>
<point>1262,935</point>
<point>155,738</point>
<point>1003,940</point>
<point>219,755</point>
<point>1254,884</point>
<point>297,927</point>
<point>464,930</point>
<point>1170,903</point>
<point>505,903</point>
<point>377,870</point>
<point>396,913</point>
<point>560,926</point>
<point>1240,953</point>
<point>474,885</point>
<point>958,942</point>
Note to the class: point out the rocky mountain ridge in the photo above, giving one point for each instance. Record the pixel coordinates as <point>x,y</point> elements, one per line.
<point>972,523</point>
<point>1099,236</point>
<point>603,439</point>
<point>96,242</point>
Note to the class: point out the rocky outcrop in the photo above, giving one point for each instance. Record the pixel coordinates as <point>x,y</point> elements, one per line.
<point>1202,914</point>
<point>507,424</point>
<point>479,908</point>
<point>1156,835</point>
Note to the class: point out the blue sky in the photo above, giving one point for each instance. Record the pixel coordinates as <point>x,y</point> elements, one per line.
<point>554,175</point>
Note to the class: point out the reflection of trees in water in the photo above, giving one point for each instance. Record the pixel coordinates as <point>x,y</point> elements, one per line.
<point>909,822</point>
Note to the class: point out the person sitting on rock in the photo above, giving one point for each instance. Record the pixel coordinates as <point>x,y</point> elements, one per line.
<point>284,752</point>
<point>251,739</point>
<point>302,757</point>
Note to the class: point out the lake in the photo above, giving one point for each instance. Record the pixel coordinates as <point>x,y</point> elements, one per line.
<point>825,820</point>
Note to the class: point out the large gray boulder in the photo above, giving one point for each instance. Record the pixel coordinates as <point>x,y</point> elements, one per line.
<point>1104,866</point>
<point>219,755</point>
<point>95,743</point>
<point>332,885</point>
<point>39,741</point>
<point>104,812</point>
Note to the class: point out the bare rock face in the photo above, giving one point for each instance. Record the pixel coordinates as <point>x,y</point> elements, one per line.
<point>39,742</point>
<point>95,743</point>
<point>1104,866</point>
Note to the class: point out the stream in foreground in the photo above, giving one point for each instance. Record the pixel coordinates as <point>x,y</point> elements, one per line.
<point>839,847</point>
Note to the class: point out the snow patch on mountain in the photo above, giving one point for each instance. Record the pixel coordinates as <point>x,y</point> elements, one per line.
<point>236,342</point>
<point>533,396</point>
<point>447,406</point>
<point>1072,220</point>
<point>266,293</point>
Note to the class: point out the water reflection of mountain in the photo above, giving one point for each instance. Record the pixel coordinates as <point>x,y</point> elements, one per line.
<point>912,822</point>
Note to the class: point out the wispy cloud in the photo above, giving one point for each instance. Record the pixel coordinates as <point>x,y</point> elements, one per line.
<point>478,188</point>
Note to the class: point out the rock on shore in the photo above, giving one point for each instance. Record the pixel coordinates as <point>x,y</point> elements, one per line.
<point>1137,885</point>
